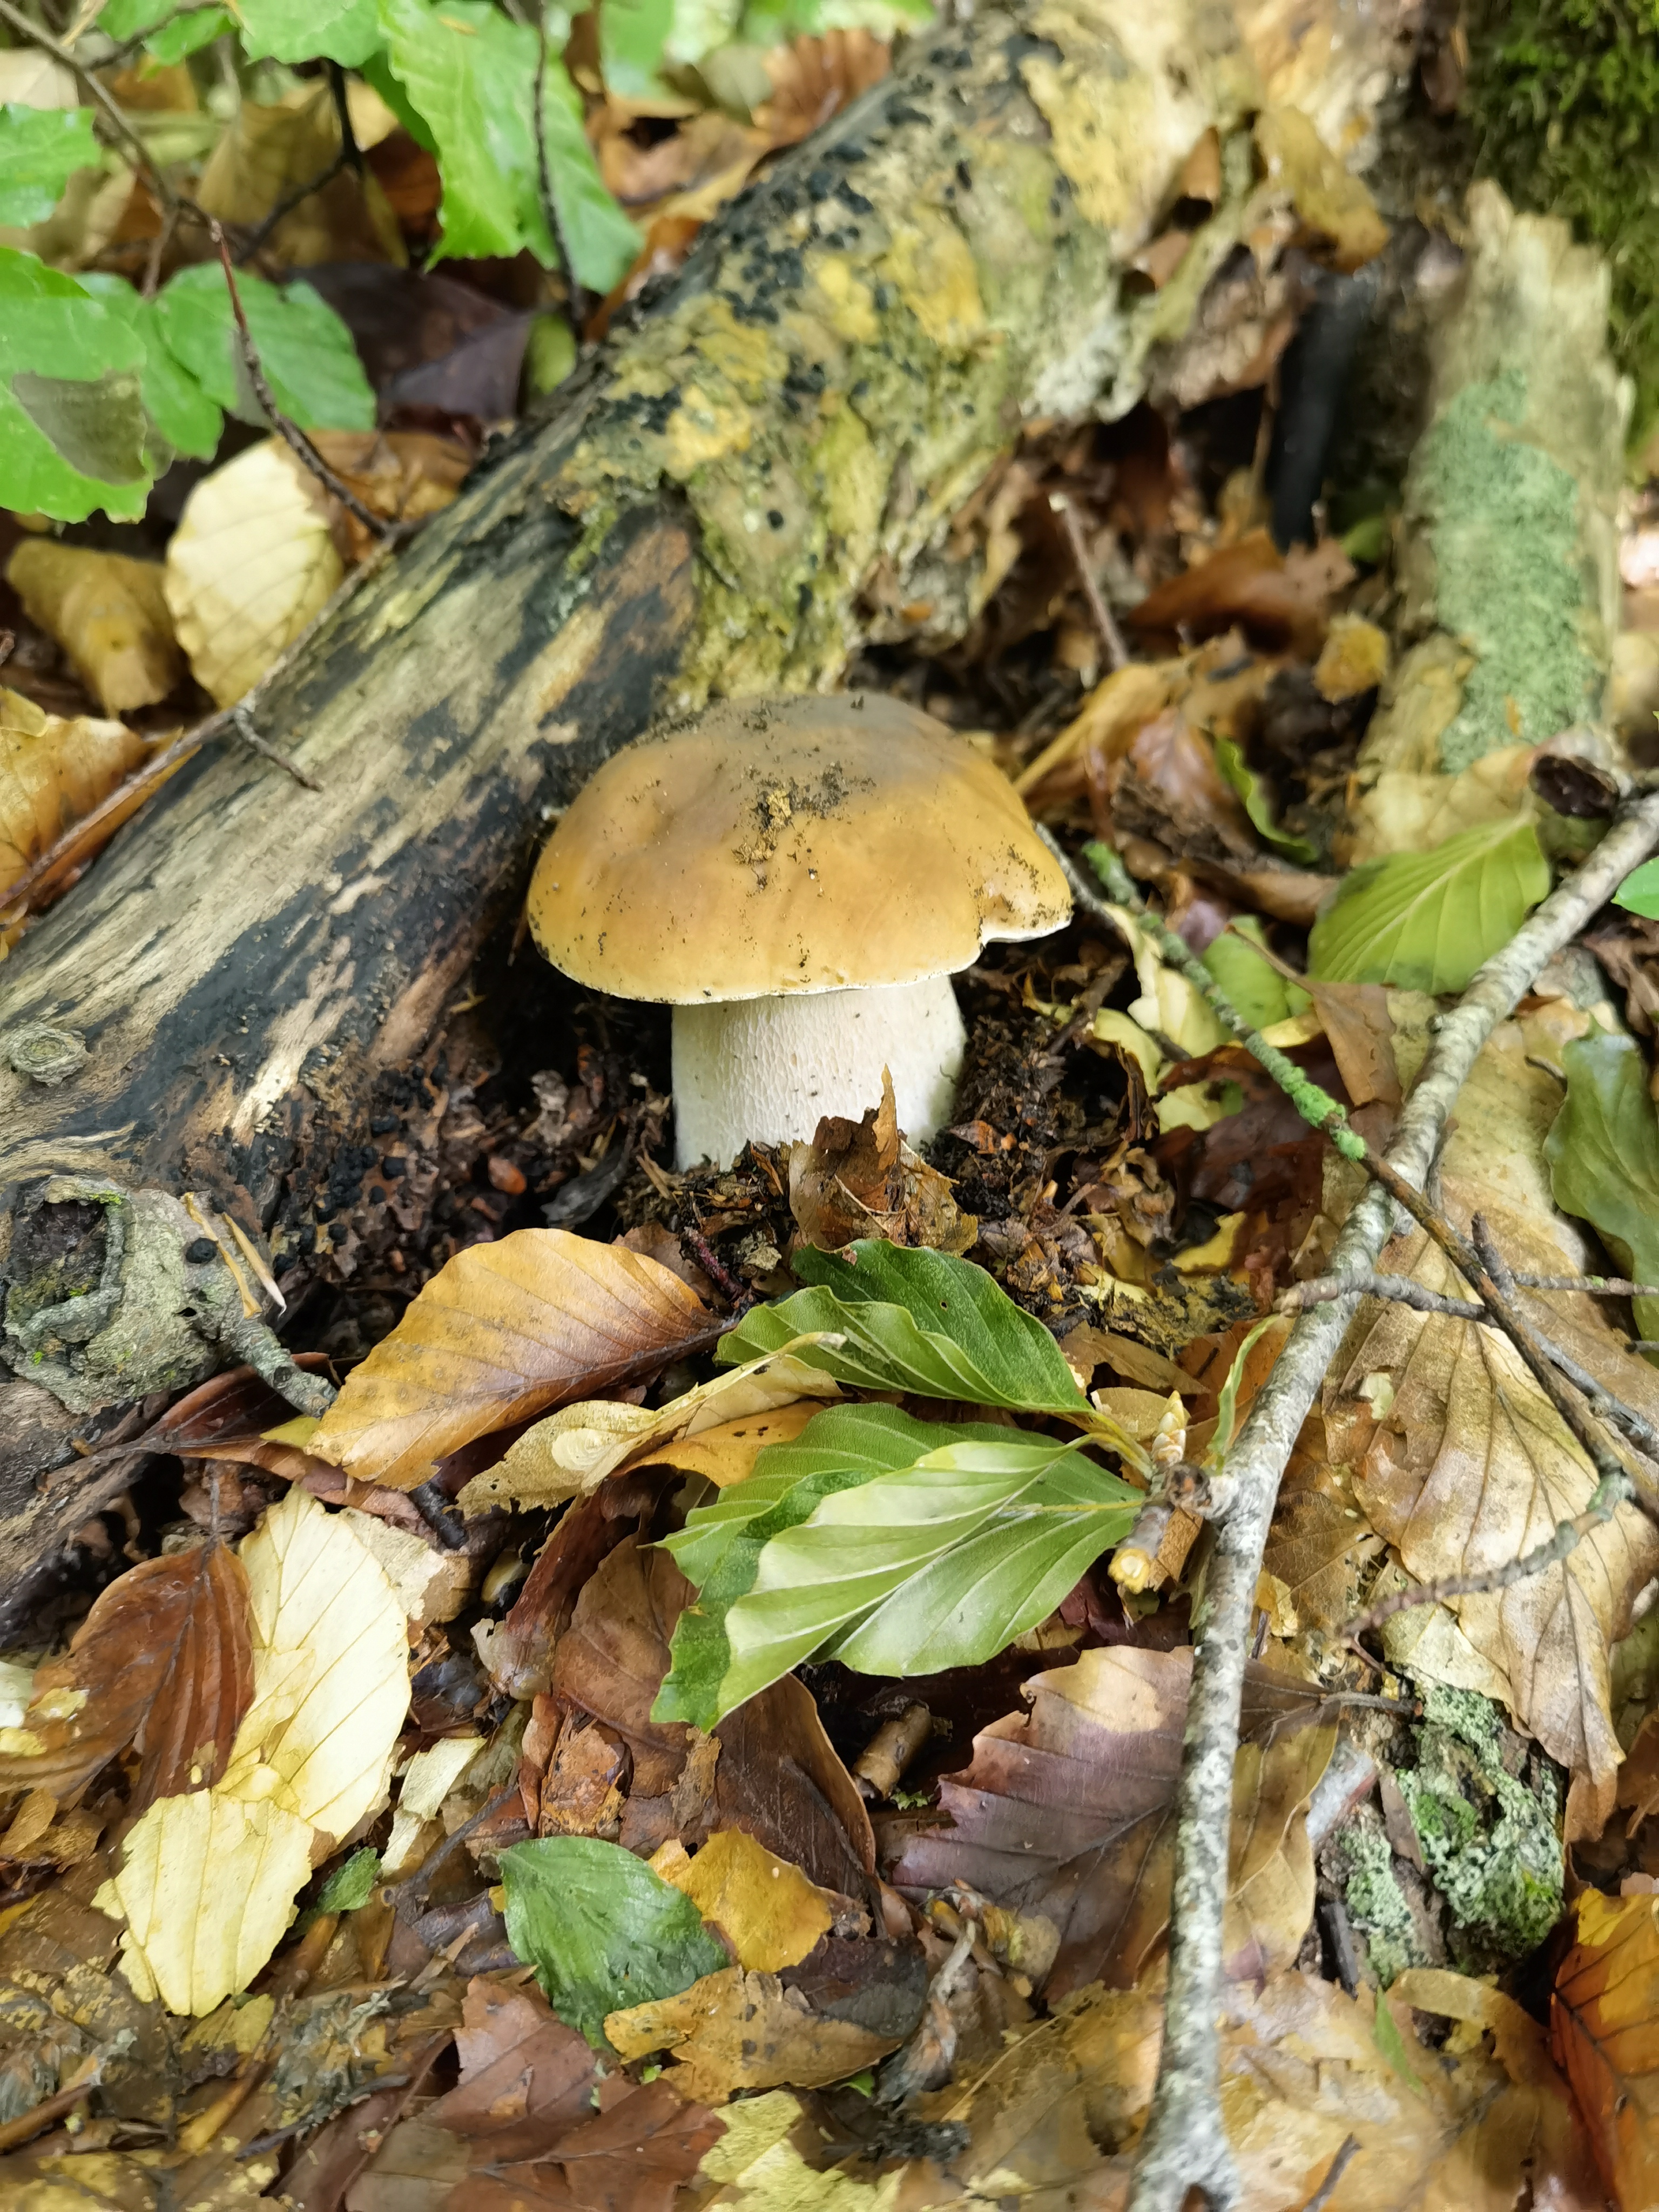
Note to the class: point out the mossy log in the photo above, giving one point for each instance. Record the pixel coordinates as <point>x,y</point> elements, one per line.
<point>254,964</point>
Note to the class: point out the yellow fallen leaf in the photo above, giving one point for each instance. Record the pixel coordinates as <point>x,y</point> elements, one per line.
<point>771,1914</point>
<point>762,2161</point>
<point>251,563</point>
<point>109,614</point>
<point>1332,204</point>
<point>573,1450</point>
<point>207,1887</point>
<point>733,2030</point>
<point>330,1670</point>
<point>53,770</point>
<point>1353,659</point>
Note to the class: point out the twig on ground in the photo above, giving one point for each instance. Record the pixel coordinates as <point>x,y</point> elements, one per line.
<point>1398,1289</point>
<point>1111,637</point>
<point>1185,2145</point>
<point>245,729</point>
<point>216,725</point>
<point>1326,2189</point>
<point>88,80</point>
<point>289,431</point>
<point>576,297</point>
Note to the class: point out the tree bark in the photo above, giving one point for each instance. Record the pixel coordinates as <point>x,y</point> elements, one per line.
<point>254,966</point>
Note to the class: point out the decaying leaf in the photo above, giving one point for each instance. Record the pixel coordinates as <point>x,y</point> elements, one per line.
<point>1604,2026</point>
<point>1337,212</point>
<point>505,1330</point>
<point>162,1662</point>
<point>860,1179</point>
<point>767,1909</point>
<point>1067,1814</point>
<point>109,614</point>
<point>732,1418</point>
<point>52,771</point>
<point>251,563</point>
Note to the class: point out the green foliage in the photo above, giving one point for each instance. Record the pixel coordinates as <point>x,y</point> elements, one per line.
<point>1253,984</point>
<point>1564,96</point>
<point>468,72</point>
<point>73,432</point>
<point>1426,922</point>
<point>601,1930</point>
<point>1603,1156</point>
<point>344,31</point>
<point>179,411</point>
<point>178,34</point>
<point>1236,772</point>
<point>1640,892</point>
<point>351,1884</point>
<point>40,149</point>
<point>895,1546</point>
<point>304,348</point>
<point>633,34</point>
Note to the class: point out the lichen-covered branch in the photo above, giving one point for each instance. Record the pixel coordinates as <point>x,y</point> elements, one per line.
<point>1185,2146</point>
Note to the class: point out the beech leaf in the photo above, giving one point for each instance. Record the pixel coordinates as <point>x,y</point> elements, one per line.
<point>1604,2025</point>
<point>1426,922</point>
<point>1603,1154</point>
<point>767,1909</point>
<point>502,1331</point>
<point>107,612</point>
<point>601,1930</point>
<point>162,1662</point>
<point>734,2031</point>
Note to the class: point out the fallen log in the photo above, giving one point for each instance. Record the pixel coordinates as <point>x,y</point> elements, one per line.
<point>254,966</point>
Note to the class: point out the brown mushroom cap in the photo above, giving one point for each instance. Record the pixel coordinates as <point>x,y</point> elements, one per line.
<point>783,845</point>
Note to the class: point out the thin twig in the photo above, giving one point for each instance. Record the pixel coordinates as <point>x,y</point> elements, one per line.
<point>285,206</point>
<point>251,737</point>
<point>1565,1539</point>
<point>1398,1289</point>
<point>289,431</point>
<point>1185,2145</point>
<point>336,85</point>
<point>1111,637</point>
<point>213,725</point>
<point>1348,2150</point>
<point>575,291</point>
<point>88,80</point>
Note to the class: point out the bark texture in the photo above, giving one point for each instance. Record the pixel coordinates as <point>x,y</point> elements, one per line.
<point>253,965</point>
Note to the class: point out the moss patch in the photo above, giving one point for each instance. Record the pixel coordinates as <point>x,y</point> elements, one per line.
<point>1502,518</point>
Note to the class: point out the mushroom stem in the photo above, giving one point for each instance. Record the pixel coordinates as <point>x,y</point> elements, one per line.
<point>769,1069</point>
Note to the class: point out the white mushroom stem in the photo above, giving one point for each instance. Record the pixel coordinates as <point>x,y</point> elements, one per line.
<point>769,1069</point>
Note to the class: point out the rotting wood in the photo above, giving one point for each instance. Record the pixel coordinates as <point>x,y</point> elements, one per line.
<point>254,966</point>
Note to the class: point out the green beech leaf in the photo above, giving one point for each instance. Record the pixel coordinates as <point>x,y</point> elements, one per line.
<point>178,31</point>
<point>469,73</point>
<point>915,1320</point>
<point>40,149</point>
<point>601,1930</point>
<point>1426,922</point>
<point>351,1884</point>
<point>304,348</point>
<point>344,31</point>
<point>73,432</point>
<point>632,36</point>
<point>1255,987</point>
<point>1640,892</point>
<point>898,1545</point>
<point>1603,1155</point>
<point>175,403</point>
<point>1236,772</point>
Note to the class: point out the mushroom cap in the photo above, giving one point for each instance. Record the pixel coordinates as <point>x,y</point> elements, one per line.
<point>783,845</point>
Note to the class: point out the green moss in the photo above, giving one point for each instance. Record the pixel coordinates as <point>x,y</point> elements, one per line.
<point>1376,1905</point>
<point>1491,1845</point>
<point>1502,518</point>
<point>1565,95</point>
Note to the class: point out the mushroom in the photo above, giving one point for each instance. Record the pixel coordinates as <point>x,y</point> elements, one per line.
<point>799,877</point>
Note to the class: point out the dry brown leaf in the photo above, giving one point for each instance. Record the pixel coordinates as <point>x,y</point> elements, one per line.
<point>163,1664</point>
<point>251,563</point>
<point>769,1912</point>
<point>1337,212</point>
<point>732,1418</point>
<point>1604,2026</point>
<point>52,771</point>
<point>109,614</point>
<point>503,1331</point>
<point>813,79</point>
<point>266,152</point>
<point>403,475</point>
<point>1285,599</point>
<point>1460,1461</point>
<point>860,1179</point>
<point>734,2031</point>
<point>1067,1814</point>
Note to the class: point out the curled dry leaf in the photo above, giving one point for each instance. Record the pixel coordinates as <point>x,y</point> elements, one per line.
<point>52,771</point>
<point>1283,599</point>
<point>207,1883</point>
<point>403,475</point>
<point>251,563</point>
<point>1067,1814</point>
<point>860,1179</point>
<point>731,1420</point>
<point>163,1664</point>
<point>108,613</point>
<point>1460,1460</point>
<point>503,1331</point>
<point>1604,2027</point>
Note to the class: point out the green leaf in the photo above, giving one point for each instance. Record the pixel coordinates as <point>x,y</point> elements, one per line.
<point>1603,1156</point>
<point>915,1321</point>
<point>1426,922</point>
<point>1237,771</point>
<point>469,73</point>
<point>351,1884</point>
<point>40,149</point>
<point>178,34</point>
<point>632,36</point>
<point>344,31</point>
<point>1640,892</point>
<point>1226,1419</point>
<point>601,1930</point>
<point>305,348</point>
<point>73,431</point>
<point>175,403</point>
<point>1255,987</point>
